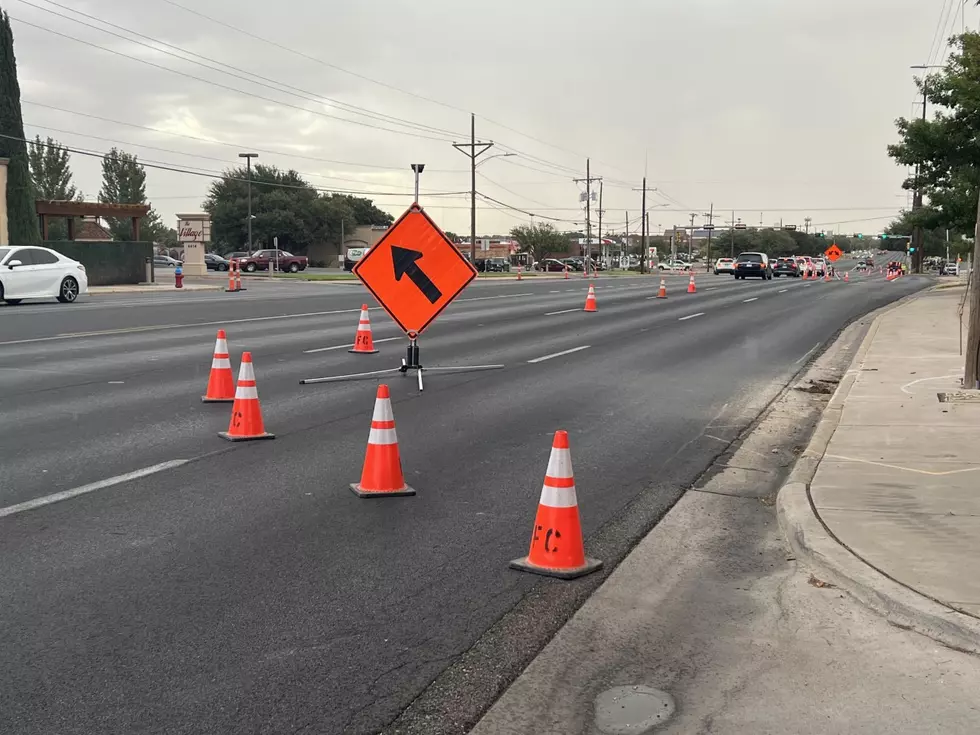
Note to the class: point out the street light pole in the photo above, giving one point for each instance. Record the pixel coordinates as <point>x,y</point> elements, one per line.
<point>417,168</point>
<point>917,238</point>
<point>248,165</point>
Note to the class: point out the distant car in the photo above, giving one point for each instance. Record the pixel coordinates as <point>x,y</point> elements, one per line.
<point>262,260</point>
<point>820,266</point>
<point>951,269</point>
<point>724,265</point>
<point>496,265</point>
<point>786,267</point>
<point>214,262</point>
<point>40,273</point>
<point>753,265</point>
<point>354,254</point>
<point>549,264</point>
<point>674,265</point>
<point>165,261</point>
<point>574,264</point>
<point>237,255</point>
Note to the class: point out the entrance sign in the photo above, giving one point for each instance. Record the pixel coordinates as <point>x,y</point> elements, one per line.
<point>414,271</point>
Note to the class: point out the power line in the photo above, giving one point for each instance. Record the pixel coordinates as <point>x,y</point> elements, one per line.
<point>212,174</point>
<point>335,67</point>
<point>215,141</point>
<point>274,84</point>
<point>940,24</point>
<point>225,86</point>
<point>383,84</point>
<point>181,153</point>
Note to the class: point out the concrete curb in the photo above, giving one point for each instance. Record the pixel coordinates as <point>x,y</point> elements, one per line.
<point>815,545</point>
<point>97,290</point>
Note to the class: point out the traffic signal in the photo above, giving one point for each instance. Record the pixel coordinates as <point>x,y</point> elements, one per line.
<point>819,234</point>
<point>859,236</point>
<point>884,236</point>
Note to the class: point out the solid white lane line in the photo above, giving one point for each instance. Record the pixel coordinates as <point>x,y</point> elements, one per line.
<point>808,353</point>
<point>554,292</point>
<point>346,347</point>
<point>747,301</point>
<point>563,311</point>
<point>559,354</point>
<point>783,291</point>
<point>90,488</point>
<point>690,316</point>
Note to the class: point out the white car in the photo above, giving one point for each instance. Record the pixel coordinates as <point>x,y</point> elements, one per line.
<point>820,266</point>
<point>39,273</point>
<point>724,265</point>
<point>675,265</point>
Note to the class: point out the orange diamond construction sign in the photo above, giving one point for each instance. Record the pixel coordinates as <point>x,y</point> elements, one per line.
<point>833,253</point>
<point>414,271</point>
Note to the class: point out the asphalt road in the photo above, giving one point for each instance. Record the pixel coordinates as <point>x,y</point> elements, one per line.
<point>246,589</point>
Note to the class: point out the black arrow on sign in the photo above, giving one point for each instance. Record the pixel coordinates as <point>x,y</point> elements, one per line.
<point>405,264</point>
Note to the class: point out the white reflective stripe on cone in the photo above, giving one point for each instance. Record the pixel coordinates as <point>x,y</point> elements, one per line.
<point>382,410</point>
<point>560,463</point>
<point>246,372</point>
<point>383,436</point>
<point>558,497</point>
<point>221,347</point>
<point>246,391</point>
<point>363,327</point>
<point>221,362</point>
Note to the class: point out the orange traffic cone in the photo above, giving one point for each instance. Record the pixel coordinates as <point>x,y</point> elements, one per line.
<point>590,304</point>
<point>246,415</point>
<point>691,288</point>
<point>518,273</point>
<point>363,340</point>
<point>556,541</point>
<point>847,277</point>
<point>382,474</point>
<point>566,272</point>
<point>662,293</point>
<point>221,383</point>
<point>231,277</point>
<point>826,276</point>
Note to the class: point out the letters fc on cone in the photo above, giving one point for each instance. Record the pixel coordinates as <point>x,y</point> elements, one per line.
<point>557,549</point>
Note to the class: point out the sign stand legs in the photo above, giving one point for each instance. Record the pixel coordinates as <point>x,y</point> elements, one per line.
<point>411,361</point>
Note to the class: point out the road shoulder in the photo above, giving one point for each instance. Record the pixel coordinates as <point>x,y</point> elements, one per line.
<point>711,610</point>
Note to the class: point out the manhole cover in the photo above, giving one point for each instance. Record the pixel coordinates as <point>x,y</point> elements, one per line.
<point>630,710</point>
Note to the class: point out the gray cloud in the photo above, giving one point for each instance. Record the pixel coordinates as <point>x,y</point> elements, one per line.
<point>758,105</point>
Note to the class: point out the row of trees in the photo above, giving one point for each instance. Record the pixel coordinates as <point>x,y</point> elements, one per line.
<point>284,205</point>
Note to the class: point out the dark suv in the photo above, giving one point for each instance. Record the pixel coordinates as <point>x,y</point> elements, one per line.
<point>753,265</point>
<point>786,267</point>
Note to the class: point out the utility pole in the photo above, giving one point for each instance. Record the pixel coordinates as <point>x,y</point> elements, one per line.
<point>971,375</point>
<point>711,216</point>
<point>646,233</point>
<point>733,233</point>
<point>917,238</point>
<point>646,228</point>
<point>690,240</point>
<point>600,223</point>
<point>588,209</point>
<point>627,246</point>
<point>248,165</point>
<point>473,154</point>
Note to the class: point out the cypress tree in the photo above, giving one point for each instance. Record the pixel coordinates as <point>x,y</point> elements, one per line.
<point>22,224</point>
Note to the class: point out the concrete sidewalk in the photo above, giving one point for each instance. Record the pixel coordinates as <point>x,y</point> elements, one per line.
<point>887,497</point>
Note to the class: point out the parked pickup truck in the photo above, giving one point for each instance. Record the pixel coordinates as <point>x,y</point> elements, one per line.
<point>260,260</point>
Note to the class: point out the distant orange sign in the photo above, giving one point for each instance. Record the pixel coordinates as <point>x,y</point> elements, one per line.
<point>833,253</point>
<point>414,271</point>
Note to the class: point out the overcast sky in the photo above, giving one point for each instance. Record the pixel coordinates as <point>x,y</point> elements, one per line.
<point>778,107</point>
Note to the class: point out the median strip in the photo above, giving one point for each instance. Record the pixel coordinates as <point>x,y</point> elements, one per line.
<point>558,354</point>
